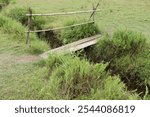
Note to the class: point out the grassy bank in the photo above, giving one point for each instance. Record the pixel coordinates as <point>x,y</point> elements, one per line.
<point>114,14</point>
<point>117,59</point>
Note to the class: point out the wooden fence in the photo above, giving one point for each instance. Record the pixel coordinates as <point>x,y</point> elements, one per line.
<point>30,14</point>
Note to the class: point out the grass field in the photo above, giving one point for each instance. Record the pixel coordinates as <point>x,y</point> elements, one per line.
<point>15,69</point>
<point>20,70</point>
<point>114,14</point>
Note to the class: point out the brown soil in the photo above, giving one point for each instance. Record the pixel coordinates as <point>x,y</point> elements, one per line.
<point>28,58</point>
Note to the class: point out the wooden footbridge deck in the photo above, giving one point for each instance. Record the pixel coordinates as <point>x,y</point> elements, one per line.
<point>72,47</point>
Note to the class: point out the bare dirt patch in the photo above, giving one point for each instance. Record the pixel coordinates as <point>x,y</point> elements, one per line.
<point>28,58</point>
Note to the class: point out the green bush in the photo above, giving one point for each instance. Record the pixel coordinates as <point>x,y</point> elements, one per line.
<point>134,72</point>
<point>12,27</point>
<point>120,44</point>
<point>128,55</point>
<point>19,14</point>
<point>113,89</point>
<point>79,32</point>
<point>5,1</point>
<point>17,32</point>
<point>73,78</point>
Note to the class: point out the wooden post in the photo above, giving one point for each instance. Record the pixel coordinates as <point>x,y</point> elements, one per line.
<point>29,27</point>
<point>93,13</point>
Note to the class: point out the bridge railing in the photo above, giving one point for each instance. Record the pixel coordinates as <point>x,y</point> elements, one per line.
<point>30,15</point>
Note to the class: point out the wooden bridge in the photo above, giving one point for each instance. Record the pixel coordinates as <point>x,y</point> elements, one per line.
<point>72,47</point>
<point>30,15</point>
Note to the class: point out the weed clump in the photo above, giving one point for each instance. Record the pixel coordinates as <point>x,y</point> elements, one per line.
<point>79,32</point>
<point>19,14</point>
<point>12,27</point>
<point>134,72</point>
<point>73,78</point>
<point>5,1</point>
<point>17,32</point>
<point>122,43</point>
<point>128,55</point>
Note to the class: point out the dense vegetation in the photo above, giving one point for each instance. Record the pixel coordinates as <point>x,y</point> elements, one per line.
<point>19,14</point>
<point>5,1</point>
<point>12,22</point>
<point>76,33</point>
<point>128,55</point>
<point>119,61</point>
<point>117,67</point>
<point>73,78</point>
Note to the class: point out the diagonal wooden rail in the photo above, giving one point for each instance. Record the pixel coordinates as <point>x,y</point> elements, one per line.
<point>72,47</point>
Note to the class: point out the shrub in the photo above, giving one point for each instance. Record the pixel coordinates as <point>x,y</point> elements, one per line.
<point>19,14</point>
<point>134,72</point>
<point>5,1</point>
<point>113,89</point>
<point>73,78</point>
<point>128,55</point>
<point>17,32</point>
<point>122,43</point>
<point>79,32</point>
<point>38,23</point>
<point>38,46</point>
<point>12,27</point>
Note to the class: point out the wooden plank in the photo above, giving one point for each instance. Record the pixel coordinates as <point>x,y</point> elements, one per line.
<point>29,28</point>
<point>72,47</point>
<point>75,25</point>
<point>64,13</point>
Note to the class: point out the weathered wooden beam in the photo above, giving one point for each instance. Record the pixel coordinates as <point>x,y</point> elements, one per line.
<point>72,47</point>
<point>29,28</point>
<point>53,29</point>
<point>94,10</point>
<point>64,13</point>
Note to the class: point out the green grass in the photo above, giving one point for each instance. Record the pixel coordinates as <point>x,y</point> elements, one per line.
<point>17,33</point>
<point>15,76</point>
<point>76,33</point>
<point>28,80</point>
<point>70,77</point>
<point>127,53</point>
<point>114,14</point>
